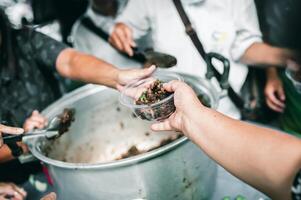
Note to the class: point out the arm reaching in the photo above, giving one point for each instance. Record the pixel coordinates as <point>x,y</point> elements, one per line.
<point>262,54</point>
<point>76,65</point>
<point>264,158</point>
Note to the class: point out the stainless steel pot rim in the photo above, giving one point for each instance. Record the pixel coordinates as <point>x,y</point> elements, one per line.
<point>114,164</point>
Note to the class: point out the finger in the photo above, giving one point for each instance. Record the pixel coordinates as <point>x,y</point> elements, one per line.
<point>51,196</point>
<point>126,47</point>
<point>119,87</point>
<point>39,118</point>
<point>129,35</point>
<point>162,126</point>
<point>274,99</point>
<point>2,197</point>
<point>130,41</point>
<point>8,190</point>
<point>273,107</point>
<point>146,72</point>
<point>149,71</point>
<point>11,130</point>
<point>35,112</point>
<point>115,41</point>
<point>172,85</point>
<point>31,124</point>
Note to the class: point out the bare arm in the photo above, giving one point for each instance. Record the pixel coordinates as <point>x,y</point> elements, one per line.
<point>262,54</point>
<point>76,65</point>
<point>264,158</point>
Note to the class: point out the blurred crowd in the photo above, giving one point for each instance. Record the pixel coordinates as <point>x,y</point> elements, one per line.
<point>51,47</point>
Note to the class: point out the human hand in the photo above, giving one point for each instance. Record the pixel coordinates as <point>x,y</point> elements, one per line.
<point>12,191</point>
<point>50,196</point>
<point>36,120</point>
<point>122,39</point>
<point>274,94</point>
<point>126,76</point>
<point>9,130</point>
<point>185,101</point>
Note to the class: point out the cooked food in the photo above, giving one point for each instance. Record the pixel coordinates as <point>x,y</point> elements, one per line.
<point>66,118</point>
<point>154,94</point>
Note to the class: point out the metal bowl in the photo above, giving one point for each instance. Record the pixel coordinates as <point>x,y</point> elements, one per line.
<point>178,170</point>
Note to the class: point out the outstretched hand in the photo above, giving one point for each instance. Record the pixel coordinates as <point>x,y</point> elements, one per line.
<point>129,75</point>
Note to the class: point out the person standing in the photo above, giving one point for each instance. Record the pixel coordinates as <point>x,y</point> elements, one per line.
<point>229,28</point>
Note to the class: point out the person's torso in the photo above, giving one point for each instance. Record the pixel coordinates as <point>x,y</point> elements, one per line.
<point>30,89</point>
<point>214,24</point>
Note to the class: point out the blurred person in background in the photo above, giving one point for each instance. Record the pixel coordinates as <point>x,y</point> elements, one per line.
<point>230,28</point>
<point>101,15</point>
<point>282,97</point>
<point>91,31</point>
<point>245,150</point>
<point>30,64</point>
<point>281,27</point>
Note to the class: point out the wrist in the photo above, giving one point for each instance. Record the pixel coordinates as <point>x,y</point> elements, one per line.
<point>191,118</point>
<point>281,55</point>
<point>115,74</point>
<point>272,74</point>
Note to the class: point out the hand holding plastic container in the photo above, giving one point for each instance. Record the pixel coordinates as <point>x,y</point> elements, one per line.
<point>147,97</point>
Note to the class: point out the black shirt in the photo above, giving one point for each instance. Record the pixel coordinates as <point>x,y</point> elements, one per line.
<point>35,84</point>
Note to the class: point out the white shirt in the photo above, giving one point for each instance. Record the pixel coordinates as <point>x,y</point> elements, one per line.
<point>227,27</point>
<point>86,41</point>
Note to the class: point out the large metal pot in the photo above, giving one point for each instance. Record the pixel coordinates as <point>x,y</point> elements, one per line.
<point>178,170</point>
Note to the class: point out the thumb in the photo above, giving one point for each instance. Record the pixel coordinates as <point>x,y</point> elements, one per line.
<point>162,126</point>
<point>148,71</point>
<point>119,87</point>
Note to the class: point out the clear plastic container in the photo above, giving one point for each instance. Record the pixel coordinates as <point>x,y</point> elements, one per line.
<point>152,112</point>
<point>292,76</point>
